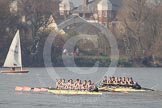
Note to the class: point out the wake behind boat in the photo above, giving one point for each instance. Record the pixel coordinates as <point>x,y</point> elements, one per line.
<point>14,59</point>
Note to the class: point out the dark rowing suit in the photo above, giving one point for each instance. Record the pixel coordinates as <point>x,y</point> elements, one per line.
<point>136,86</point>
<point>104,82</point>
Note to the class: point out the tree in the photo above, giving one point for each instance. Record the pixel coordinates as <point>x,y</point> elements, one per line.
<point>143,27</point>
<point>8,22</point>
<point>38,12</point>
<point>154,31</point>
<point>133,16</point>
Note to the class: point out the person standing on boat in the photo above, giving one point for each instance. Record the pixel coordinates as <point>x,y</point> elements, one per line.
<point>13,68</point>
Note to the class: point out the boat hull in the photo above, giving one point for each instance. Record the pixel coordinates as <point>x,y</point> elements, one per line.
<point>73,92</point>
<point>119,89</point>
<point>14,72</point>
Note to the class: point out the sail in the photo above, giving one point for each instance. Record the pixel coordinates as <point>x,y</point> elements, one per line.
<point>13,58</point>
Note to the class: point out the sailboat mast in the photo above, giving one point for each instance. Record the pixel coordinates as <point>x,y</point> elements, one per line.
<point>20,50</point>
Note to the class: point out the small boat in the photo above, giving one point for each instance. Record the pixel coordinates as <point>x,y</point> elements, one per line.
<point>73,92</point>
<point>14,59</point>
<point>122,89</point>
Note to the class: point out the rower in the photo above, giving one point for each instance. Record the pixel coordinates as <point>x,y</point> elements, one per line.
<point>127,79</point>
<point>63,84</point>
<point>123,83</point>
<point>116,83</point>
<point>123,79</point>
<point>110,81</point>
<point>84,85</point>
<point>58,84</point>
<point>120,79</point>
<point>136,85</point>
<point>71,84</point>
<point>77,84</point>
<point>90,86</point>
<point>104,82</point>
<point>113,78</point>
<point>68,85</point>
<point>130,83</point>
<point>80,84</point>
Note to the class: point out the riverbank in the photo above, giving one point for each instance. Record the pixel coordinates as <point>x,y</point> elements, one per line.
<point>90,61</point>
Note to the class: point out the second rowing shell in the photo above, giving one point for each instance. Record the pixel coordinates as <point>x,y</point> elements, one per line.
<point>73,92</point>
<point>120,89</point>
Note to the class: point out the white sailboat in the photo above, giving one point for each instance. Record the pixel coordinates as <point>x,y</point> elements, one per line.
<point>14,59</point>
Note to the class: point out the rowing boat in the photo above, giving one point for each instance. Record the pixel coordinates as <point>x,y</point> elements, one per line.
<point>55,91</point>
<point>73,92</point>
<point>121,89</point>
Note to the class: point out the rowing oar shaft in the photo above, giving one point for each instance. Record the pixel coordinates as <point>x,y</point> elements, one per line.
<point>148,89</point>
<point>36,89</point>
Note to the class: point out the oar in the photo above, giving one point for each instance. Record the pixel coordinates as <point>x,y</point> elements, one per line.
<point>148,89</point>
<point>35,89</point>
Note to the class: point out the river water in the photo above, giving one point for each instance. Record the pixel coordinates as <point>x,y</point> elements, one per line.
<point>45,77</point>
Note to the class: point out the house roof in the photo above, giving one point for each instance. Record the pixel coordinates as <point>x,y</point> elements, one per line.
<point>90,8</point>
<point>116,4</point>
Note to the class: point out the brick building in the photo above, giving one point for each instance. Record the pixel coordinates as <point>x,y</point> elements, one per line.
<point>101,11</point>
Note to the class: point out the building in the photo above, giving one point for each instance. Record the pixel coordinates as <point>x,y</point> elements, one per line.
<point>65,7</point>
<point>14,7</point>
<point>100,11</point>
<point>104,8</point>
